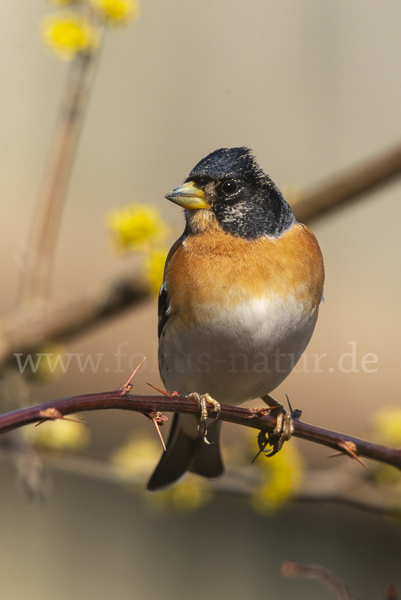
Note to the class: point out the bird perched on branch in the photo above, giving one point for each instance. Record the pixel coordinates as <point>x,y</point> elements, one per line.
<point>238,304</point>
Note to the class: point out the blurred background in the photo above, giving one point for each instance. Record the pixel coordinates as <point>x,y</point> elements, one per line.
<point>313,87</point>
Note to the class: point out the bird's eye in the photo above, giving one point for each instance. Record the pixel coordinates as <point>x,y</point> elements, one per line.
<point>229,187</point>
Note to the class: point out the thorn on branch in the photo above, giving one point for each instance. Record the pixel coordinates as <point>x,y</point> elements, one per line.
<point>127,387</point>
<point>296,413</point>
<point>158,420</point>
<point>348,448</point>
<point>260,412</point>
<point>52,414</point>
<point>158,389</point>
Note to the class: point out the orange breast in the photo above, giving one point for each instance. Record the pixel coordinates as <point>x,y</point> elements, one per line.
<point>215,268</point>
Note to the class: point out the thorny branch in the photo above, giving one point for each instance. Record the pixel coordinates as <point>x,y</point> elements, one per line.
<point>154,406</point>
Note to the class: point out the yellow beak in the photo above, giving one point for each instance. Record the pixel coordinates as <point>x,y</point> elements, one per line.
<point>188,196</point>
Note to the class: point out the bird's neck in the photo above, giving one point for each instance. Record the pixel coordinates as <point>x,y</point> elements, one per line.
<point>201,221</point>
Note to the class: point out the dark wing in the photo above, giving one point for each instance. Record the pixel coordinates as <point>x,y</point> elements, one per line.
<point>164,308</point>
<point>164,304</point>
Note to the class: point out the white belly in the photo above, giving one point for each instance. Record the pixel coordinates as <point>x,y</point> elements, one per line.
<point>241,354</point>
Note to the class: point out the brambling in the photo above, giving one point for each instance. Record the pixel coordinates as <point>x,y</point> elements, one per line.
<point>238,304</point>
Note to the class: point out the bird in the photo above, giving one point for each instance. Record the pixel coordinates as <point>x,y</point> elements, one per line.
<point>238,304</point>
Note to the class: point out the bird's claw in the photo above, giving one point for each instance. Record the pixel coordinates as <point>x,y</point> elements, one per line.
<point>284,426</point>
<point>284,420</point>
<point>202,400</point>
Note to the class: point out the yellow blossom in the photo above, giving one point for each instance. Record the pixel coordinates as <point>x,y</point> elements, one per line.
<point>117,12</point>
<point>281,475</point>
<point>136,227</point>
<point>387,431</point>
<point>154,268</point>
<point>60,434</point>
<point>190,494</point>
<point>137,457</point>
<point>69,34</point>
<point>387,423</point>
<point>49,362</point>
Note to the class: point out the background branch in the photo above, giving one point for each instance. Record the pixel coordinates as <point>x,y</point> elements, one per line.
<point>344,485</point>
<point>349,185</point>
<point>45,227</point>
<point>26,330</point>
<point>298,570</point>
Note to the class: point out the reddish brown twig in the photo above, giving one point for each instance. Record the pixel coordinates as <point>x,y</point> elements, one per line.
<point>234,414</point>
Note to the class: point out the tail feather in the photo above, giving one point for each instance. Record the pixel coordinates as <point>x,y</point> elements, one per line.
<point>208,462</point>
<point>187,453</point>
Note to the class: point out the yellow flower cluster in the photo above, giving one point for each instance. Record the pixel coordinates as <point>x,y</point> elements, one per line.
<point>117,12</point>
<point>136,227</point>
<point>50,362</point>
<point>387,423</point>
<point>76,30</point>
<point>139,227</point>
<point>59,435</point>
<point>135,459</point>
<point>387,432</point>
<point>281,475</point>
<point>69,34</point>
<point>190,494</point>
<point>154,268</point>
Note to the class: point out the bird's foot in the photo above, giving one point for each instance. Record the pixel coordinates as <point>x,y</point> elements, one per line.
<point>284,423</point>
<point>281,433</point>
<point>202,400</point>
